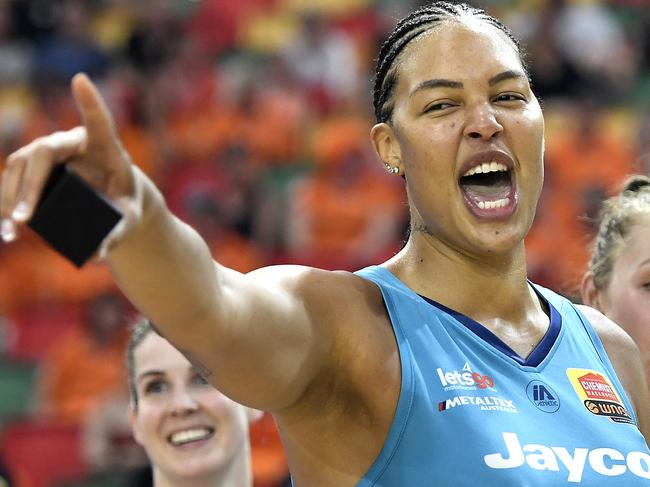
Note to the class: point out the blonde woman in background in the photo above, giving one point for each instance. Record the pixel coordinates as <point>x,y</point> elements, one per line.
<point>618,280</point>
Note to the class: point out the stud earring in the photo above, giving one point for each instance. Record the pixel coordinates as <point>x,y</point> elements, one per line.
<point>391,169</point>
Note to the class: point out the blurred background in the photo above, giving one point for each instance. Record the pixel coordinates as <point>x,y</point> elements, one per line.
<point>253,117</point>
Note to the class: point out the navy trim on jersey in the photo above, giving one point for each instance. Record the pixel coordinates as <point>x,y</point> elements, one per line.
<point>538,354</point>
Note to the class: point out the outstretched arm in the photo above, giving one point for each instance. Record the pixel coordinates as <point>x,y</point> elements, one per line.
<point>262,336</point>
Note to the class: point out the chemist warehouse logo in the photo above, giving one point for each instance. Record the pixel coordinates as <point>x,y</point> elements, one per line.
<point>598,395</point>
<point>471,380</point>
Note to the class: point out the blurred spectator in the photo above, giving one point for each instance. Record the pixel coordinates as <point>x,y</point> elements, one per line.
<point>86,366</point>
<point>589,36</point>
<point>577,49</point>
<point>108,444</point>
<point>227,245</point>
<point>153,40</point>
<point>586,160</point>
<point>71,48</point>
<point>345,214</point>
<point>323,60</point>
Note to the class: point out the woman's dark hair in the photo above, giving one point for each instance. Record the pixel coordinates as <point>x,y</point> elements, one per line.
<point>617,218</point>
<point>407,29</point>
<point>139,332</point>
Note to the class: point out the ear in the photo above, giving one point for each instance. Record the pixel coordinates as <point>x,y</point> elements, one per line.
<point>386,146</point>
<point>133,421</point>
<point>590,293</point>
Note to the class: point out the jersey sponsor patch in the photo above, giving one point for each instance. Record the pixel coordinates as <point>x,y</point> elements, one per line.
<point>598,395</point>
<point>484,403</point>
<point>570,462</point>
<point>466,379</point>
<point>542,396</point>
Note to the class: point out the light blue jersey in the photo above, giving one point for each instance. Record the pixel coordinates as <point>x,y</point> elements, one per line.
<point>471,412</point>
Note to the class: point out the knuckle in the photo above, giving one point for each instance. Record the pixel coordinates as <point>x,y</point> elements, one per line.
<point>43,150</point>
<point>15,159</point>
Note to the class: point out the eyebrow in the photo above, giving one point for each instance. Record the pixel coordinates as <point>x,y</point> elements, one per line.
<point>646,261</point>
<point>149,373</point>
<point>430,84</point>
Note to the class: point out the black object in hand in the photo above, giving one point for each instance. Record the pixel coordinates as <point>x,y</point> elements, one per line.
<point>72,217</point>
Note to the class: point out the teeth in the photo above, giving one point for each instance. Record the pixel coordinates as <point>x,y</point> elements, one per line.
<point>492,205</point>
<point>190,435</point>
<point>486,167</point>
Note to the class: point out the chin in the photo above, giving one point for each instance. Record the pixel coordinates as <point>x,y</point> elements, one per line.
<point>500,241</point>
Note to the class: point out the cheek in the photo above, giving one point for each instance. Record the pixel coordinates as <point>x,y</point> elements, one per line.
<point>631,311</point>
<point>431,146</point>
<point>145,425</point>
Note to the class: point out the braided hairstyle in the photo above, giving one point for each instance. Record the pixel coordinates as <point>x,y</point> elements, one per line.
<point>618,217</point>
<point>407,29</point>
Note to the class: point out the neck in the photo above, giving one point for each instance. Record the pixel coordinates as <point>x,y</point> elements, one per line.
<point>237,473</point>
<point>479,287</point>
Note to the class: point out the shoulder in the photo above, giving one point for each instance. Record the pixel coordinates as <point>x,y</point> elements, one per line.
<point>614,338</point>
<point>626,359</point>
<point>323,291</point>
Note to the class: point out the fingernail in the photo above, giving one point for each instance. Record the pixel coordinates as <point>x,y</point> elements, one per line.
<point>8,230</point>
<point>21,212</point>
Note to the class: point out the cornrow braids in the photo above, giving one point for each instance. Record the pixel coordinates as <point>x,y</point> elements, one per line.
<point>618,217</point>
<point>407,29</point>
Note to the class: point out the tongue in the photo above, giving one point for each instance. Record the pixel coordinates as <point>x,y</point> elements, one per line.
<point>486,189</point>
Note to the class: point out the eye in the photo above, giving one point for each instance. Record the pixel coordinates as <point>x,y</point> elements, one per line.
<point>438,106</point>
<point>199,380</point>
<point>155,387</point>
<point>509,97</point>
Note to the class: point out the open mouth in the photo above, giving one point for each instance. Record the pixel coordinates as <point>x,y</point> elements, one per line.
<point>191,435</point>
<point>488,189</point>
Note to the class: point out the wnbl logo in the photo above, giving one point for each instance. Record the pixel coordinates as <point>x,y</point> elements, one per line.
<point>542,396</point>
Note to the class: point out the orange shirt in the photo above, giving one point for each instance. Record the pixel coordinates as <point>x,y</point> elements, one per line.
<point>78,374</point>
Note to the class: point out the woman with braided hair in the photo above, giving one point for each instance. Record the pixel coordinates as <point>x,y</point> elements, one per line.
<point>442,366</point>
<point>618,281</point>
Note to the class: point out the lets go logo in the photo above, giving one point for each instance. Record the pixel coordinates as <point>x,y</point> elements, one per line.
<point>467,379</point>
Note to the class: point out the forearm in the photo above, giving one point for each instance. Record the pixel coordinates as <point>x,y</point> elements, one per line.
<point>165,268</point>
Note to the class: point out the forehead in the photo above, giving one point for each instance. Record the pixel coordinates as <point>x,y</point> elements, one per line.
<point>156,353</point>
<point>637,249</point>
<point>465,50</point>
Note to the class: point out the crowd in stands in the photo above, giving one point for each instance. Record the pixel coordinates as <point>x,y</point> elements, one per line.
<point>253,117</point>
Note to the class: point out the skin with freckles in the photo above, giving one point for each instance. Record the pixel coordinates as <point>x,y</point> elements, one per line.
<point>173,397</point>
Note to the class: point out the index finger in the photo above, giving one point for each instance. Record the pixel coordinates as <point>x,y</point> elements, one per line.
<point>95,115</point>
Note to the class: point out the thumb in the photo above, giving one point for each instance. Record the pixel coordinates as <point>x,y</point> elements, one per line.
<point>95,115</point>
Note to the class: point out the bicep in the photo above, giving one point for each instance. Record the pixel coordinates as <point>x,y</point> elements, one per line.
<point>268,336</point>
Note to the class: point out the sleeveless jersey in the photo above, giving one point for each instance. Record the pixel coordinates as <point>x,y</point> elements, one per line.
<point>472,412</point>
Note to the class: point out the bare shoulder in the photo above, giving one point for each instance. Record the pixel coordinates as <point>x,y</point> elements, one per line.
<point>614,338</point>
<point>325,292</point>
<point>626,359</point>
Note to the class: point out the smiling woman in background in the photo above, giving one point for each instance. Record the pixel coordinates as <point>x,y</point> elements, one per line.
<point>618,280</point>
<point>194,435</point>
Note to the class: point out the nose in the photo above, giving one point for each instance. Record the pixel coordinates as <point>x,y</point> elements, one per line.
<point>482,122</point>
<point>182,403</point>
